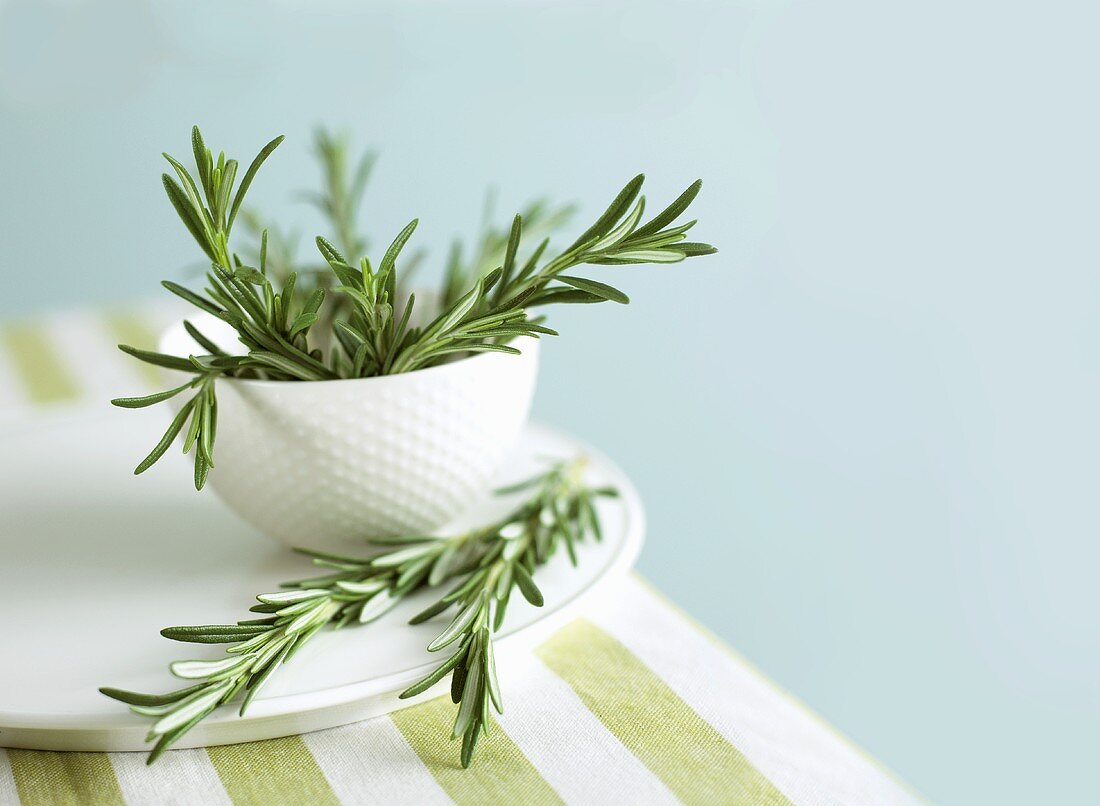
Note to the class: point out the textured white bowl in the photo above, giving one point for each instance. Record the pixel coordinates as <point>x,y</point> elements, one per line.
<point>330,463</point>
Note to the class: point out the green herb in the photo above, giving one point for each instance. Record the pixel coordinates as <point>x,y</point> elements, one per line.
<point>344,190</point>
<point>486,564</point>
<point>352,319</point>
<point>541,219</point>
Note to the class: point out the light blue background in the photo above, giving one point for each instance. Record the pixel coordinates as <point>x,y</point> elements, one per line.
<point>866,431</point>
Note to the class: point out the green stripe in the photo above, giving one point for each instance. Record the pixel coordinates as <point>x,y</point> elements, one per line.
<point>127,327</point>
<point>749,666</point>
<point>64,779</point>
<point>270,773</point>
<point>647,716</point>
<point>44,375</point>
<point>500,772</point>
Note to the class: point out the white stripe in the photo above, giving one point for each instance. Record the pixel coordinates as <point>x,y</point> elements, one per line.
<point>101,370</point>
<point>179,778</point>
<point>370,762</point>
<point>8,792</point>
<point>797,752</point>
<point>568,745</point>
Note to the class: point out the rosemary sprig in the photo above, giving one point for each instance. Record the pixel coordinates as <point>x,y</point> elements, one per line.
<point>487,563</point>
<point>208,208</point>
<point>559,514</point>
<point>344,189</point>
<point>496,307</point>
<point>363,326</point>
<point>541,219</point>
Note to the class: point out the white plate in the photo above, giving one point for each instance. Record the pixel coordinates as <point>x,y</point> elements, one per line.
<point>94,562</point>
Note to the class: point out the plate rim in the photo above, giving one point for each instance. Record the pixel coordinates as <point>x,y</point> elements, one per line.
<point>357,700</point>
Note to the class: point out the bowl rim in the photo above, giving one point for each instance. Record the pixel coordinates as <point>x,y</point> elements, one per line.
<point>529,353</point>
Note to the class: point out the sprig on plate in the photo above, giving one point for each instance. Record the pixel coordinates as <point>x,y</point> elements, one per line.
<point>358,322</point>
<point>486,564</point>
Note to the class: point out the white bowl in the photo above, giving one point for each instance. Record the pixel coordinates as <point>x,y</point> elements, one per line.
<point>330,463</point>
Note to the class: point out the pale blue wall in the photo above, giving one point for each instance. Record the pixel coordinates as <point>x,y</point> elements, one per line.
<point>866,432</point>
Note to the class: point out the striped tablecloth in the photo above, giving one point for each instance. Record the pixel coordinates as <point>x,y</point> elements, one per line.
<point>635,704</point>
